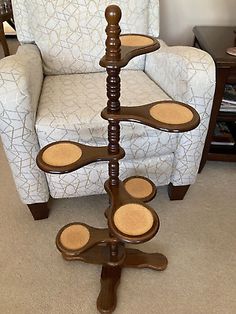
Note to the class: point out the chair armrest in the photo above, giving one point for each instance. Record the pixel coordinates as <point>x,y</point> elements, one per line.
<point>186,74</point>
<point>21,78</point>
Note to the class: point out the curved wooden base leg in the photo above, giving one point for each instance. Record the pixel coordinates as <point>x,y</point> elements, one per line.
<point>177,192</point>
<point>110,279</point>
<point>138,259</point>
<point>39,210</point>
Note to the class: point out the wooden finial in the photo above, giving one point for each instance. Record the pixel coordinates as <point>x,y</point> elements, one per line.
<point>113,16</point>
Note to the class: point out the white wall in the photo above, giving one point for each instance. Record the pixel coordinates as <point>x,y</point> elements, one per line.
<point>177,17</point>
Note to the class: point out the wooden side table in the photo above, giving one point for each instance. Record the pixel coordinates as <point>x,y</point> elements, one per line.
<point>5,15</point>
<point>215,40</point>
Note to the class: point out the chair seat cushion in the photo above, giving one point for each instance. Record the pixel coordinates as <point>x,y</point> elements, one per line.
<point>70,107</point>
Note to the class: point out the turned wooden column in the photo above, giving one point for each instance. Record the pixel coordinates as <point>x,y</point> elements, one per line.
<point>113,53</point>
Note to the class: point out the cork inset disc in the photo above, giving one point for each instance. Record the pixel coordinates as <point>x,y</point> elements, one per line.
<point>74,237</point>
<point>133,219</point>
<point>61,154</point>
<point>171,113</point>
<point>135,40</point>
<point>138,187</point>
<point>231,51</point>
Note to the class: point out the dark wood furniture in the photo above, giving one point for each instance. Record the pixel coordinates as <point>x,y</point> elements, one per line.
<point>215,40</point>
<point>129,218</point>
<point>6,15</point>
<point>39,210</point>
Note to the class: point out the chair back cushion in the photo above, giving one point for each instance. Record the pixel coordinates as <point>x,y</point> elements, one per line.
<point>71,33</point>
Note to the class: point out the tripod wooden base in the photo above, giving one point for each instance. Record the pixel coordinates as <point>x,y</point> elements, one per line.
<point>127,257</point>
<point>111,269</point>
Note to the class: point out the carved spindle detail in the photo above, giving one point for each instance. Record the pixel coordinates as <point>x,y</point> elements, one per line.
<point>113,106</point>
<point>113,53</point>
<point>113,137</point>
<point>114,172</point>
<point>113,90</point>
<point>113,16</point>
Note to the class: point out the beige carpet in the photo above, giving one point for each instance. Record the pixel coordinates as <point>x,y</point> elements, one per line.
<point>198,235</point>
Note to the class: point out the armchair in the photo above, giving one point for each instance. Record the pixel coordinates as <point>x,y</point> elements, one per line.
<point>53,89</point>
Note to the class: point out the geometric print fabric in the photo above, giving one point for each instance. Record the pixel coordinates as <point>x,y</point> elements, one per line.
<point>71,34</point>
<point>21,79</point>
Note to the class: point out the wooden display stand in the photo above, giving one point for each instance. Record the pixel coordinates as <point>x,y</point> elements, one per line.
<point>130,219</point>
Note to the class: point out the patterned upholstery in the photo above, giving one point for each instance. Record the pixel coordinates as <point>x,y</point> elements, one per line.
<point>37,109</point>
<point>71,36</point>
<point>21,80</point>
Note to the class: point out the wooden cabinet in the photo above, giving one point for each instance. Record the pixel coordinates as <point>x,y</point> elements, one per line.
<point>215,40</point>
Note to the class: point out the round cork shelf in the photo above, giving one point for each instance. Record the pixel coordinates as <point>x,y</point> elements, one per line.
<point>75,238</point>
<point>67,156</point>
<point>134,40</point>
<point>132,45</point>
<point>133,219</point>
<point>61,154</point>
<point>167,115</point>
<point>141,188</point>
<point>171,113</point>
<point>134,222</point>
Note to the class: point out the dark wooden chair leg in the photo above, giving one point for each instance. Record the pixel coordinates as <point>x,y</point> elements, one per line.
<point>4,41</point>
<point>39,210</point>
<point>177,192</point>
